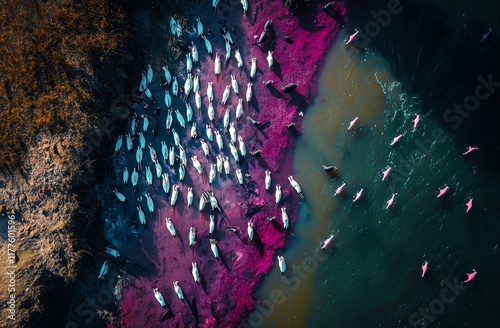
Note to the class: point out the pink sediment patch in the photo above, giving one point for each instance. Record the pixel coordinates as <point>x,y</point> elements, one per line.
<point>156,258</point>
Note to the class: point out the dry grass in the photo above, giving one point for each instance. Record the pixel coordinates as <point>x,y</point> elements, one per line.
<point>53,56</point>
<point>49,54</point>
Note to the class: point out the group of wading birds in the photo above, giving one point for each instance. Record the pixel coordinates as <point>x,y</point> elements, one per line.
<point>385,174</point>
<point>192,84</point>
<point>172,92</point>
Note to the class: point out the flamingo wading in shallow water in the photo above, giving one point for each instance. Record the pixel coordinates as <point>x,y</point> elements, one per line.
<point>415,121</point>
<point>284,218</point>
<point>385,173</point>
<point>125,175</point>
<point>443,191</point>
<point>339,190</point>
<point>353,123</point>
<point>178,290</point>
<point>250,230</point>
<point>195,273</point>
<point>352,37</point>
<point>470,276</point>
<point>390,202</point>
<point>396,139</point>
<point>192,236</point>
<point>424,268</point>
<point>282,264</point>
<point>170,227</point>
<point>470,149</point>
<point>469,205</point>
<point>112,252</point>
<point>104,270</point>
<point>296,186</point>
<point>159,297</point>
<point>215,250</point>
<point>358,195</point>
<point>120,196</point>
<point>268,180</point>
<point>327,242</point>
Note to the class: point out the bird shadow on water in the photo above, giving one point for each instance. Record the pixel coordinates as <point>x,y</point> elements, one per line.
<point>334,14</point>
<point>306,16</point>
<point>275,92</point>
<point>277,226</point>
<point>261,128</point>
<point>269,44</point>
<point>194,310</point>
<point>254,104</point>
<point>203,283</point>
<point>257,241</point>
<point>344,195</point>
<point>181,242</point>
<point>293,131</point>
<point>223,261</point>
<point>168,314</point>
<point>298,100</point>
<point>277,70</point>
<point>360,133</point>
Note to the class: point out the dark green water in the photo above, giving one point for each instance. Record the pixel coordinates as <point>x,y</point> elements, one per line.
<point>371,277</point>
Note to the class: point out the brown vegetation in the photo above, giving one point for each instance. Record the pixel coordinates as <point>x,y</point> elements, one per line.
<point>55,57</point>
<point>49,54</point>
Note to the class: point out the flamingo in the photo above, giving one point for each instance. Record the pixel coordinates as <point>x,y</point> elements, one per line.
<point>469,205</point>
<point>358,195</point>
<point>339,189</point>
<point>282,264</point>
<point>327,242</point>
<point>353,123</point>
<point>390,201</point>
<point>415,121</point>
<point>396,139</point>
<point>159,297</point>
<point>385,173</point>
<point>104,270</point>
<point>470,149</point>
<point>470,276</point>
<point>352,37</point>
<point>443,191</point>
<point>424,268</point>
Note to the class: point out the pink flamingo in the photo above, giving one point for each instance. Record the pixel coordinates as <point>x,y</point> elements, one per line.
<point>358,195</point>
<point>471,275</point>
<point>352,37</point>
<point>396,139</point>
<point>486,35</point>
<point>470,149</point>
<point>443,191</point>
<point>339,190</point>
<point>385,173</point>
<point>390,201</point>
<point>469,205</point>
<point>327,242</point>
<point>424,268</point>
<point>415,121</point>
<point>353,123</point>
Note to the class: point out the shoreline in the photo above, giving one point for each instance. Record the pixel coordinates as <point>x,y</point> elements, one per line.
<point>243,270</point>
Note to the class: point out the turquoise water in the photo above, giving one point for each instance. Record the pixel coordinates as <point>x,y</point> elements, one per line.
<point>372,276</point>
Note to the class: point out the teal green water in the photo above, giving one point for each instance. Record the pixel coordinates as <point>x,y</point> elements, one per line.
<point>371,275</point>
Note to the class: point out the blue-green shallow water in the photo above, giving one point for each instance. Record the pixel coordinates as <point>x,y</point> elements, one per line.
<point>371,277</point>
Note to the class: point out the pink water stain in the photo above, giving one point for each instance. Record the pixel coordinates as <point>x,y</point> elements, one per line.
<point>227,286</point>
